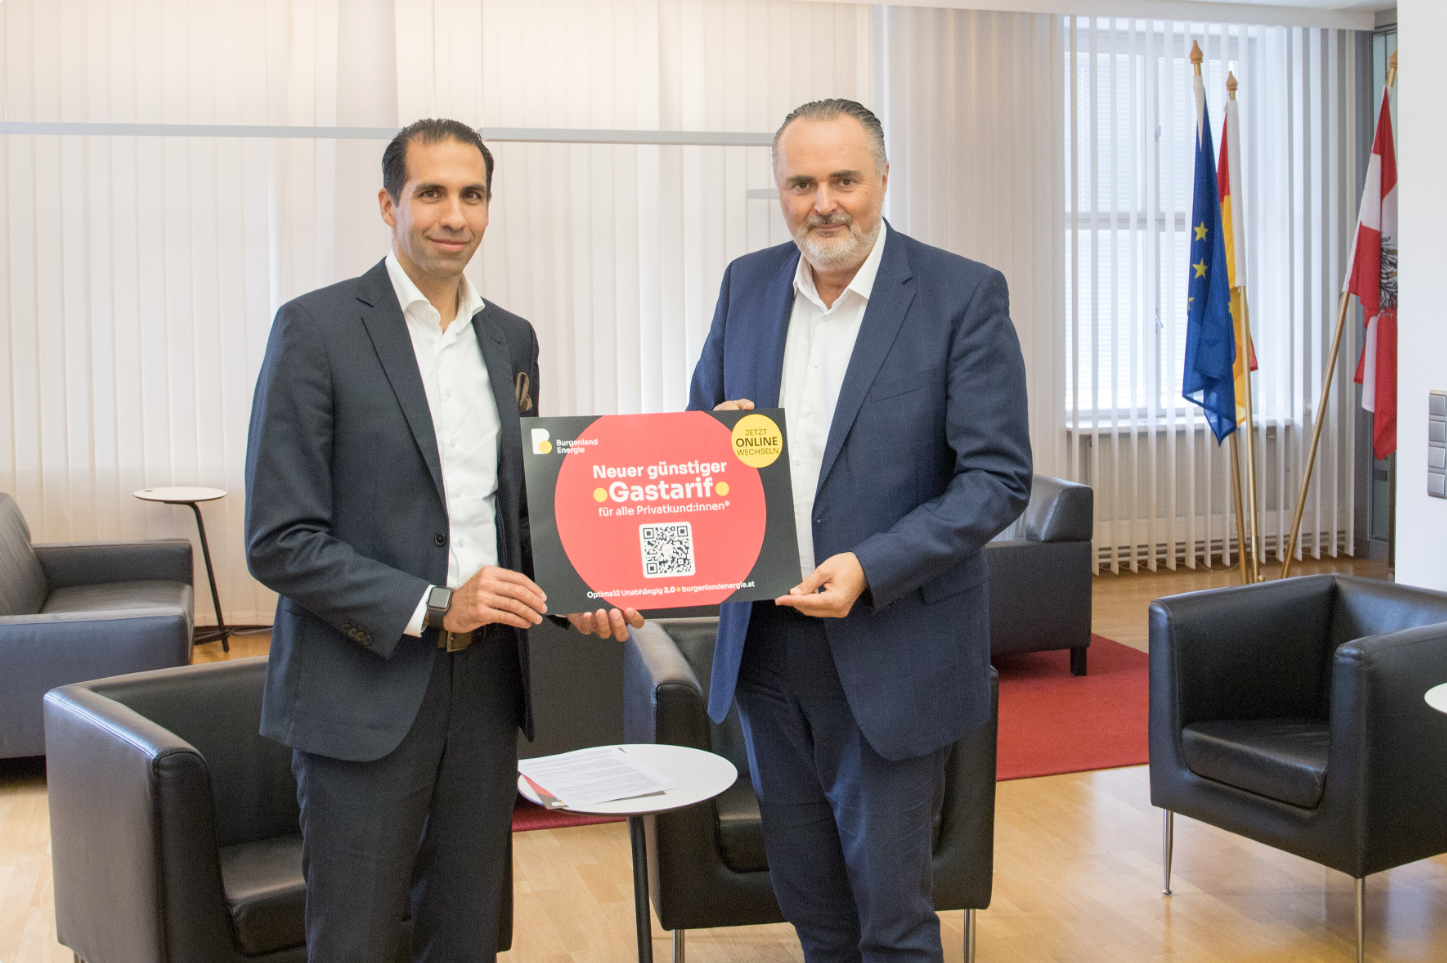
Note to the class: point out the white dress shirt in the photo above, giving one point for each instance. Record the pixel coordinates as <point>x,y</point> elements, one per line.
<point>816,356</point>
<point>465,421</point>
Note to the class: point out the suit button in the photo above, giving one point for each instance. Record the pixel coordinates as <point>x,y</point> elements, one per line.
<point>440,539</point>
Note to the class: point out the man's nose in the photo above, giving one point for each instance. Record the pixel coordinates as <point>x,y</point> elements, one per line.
<point>824,202</point>
<point>452,217</point>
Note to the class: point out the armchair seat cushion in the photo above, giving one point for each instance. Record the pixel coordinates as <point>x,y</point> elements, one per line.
<point>266,893</point>
<point>1282,759</point>
<point>118,598</point>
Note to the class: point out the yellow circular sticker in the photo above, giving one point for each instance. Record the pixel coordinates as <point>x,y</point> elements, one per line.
<point>757,441</point>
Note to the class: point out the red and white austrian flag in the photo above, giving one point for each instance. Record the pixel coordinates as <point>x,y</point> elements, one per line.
<point>1372,277</point>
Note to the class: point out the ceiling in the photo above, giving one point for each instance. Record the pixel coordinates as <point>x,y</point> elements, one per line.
<point>1373,5</point>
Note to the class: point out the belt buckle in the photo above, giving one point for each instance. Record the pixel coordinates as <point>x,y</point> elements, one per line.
<point>454,641</point>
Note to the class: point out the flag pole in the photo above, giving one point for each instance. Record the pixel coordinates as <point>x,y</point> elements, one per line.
<point>1341,318</point>
<point>1196,58</point>
<point>1236,493</point>
<point>1244,340</point>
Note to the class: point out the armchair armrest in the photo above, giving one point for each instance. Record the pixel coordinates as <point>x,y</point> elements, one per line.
<point>43,651</point>
<point>662,699</point>
<point>1244,652</point>
<point>1388,747</point>
<point>96,563</point>
<point>134,850</point>
<point>1059,511</point>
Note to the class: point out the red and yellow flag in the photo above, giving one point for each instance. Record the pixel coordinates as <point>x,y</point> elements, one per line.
<point>1228,177</point>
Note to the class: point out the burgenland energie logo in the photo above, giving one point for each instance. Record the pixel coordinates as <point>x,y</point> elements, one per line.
<point>541,444</point>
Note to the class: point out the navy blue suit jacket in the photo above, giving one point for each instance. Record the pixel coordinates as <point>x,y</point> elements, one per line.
<point>345,517</point>
<point>928,457</point>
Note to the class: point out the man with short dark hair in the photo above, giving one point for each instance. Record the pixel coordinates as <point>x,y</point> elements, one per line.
<point>904,390</point>
<point>386,506</point>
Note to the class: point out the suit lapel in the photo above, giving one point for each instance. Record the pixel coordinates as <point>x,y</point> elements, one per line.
<point>888,304</point>
<point>498,359</point>
<point>386,326</point>
<point>765,366</point>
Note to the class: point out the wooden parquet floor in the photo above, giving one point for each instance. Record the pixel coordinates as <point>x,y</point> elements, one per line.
<point>1077,870</point>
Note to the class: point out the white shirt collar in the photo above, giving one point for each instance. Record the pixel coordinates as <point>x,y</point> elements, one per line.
<point>863,282</point>
<point>409,294</point>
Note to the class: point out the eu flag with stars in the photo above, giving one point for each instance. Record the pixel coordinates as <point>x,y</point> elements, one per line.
<point>1210,344</point>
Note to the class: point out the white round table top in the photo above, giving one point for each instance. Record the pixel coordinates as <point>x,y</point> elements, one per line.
<point>180,494</point>
<point>697,775</point>
<point>1437,697</point>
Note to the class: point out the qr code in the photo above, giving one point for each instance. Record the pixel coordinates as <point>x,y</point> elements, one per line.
<point>667,549</point>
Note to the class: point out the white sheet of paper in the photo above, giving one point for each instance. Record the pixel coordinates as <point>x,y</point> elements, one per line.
<point>585,777</point>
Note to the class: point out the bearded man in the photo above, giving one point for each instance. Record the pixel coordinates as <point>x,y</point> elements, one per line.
<point>904,391</point>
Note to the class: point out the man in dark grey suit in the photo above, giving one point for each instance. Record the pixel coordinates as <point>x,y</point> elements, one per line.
<point>386,506</point>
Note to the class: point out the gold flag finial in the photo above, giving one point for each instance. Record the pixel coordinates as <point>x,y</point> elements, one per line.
<point>1231,84</point>
<point>1392,69</point>
<point>1197,56</point>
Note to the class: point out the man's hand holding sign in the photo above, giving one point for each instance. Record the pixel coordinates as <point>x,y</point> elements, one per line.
<point>831,590</point>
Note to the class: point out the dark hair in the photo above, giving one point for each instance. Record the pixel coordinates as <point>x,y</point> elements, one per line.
<point>427,131</point>
<point>836,107</point>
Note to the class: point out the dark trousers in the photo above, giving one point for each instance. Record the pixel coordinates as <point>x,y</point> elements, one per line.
<point>429,821</point>
<point>848,833</point>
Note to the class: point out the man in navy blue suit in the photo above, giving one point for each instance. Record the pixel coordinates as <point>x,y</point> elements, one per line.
<point>904,392</point>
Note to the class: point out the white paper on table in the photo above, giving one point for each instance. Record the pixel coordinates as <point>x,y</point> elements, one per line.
<point>586,777</point>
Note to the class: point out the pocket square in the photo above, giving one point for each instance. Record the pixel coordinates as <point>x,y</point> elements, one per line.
<point>522,389</point>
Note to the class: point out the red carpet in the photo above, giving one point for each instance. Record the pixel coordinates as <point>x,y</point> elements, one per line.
<point>1053,722</point>
<point>1050,721</point>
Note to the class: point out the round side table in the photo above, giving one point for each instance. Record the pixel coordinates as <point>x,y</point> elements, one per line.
<point>698,776</point>
<point>191,495</point>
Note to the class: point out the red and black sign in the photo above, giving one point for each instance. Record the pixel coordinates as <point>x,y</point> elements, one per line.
<point>676,512</point>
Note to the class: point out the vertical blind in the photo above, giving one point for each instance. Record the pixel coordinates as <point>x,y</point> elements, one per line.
<point>972,102</point>
<point>139,274</point>
<point>1060,150</point>
<point>1163,485</point>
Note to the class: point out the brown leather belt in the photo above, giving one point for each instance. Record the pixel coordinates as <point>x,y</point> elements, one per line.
<point>457,641</point>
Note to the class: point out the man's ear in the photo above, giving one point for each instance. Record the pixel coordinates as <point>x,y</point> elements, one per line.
<point>388,207</point>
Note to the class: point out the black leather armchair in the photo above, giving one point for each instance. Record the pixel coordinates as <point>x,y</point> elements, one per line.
<point>706,863</point>
<point>174,824</point>
<point>1040,573</point>
<point>1291,712</point>
<point>82,611</point>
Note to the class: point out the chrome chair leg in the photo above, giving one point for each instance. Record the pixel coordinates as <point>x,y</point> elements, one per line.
<point>678,946</point>
<point>970,935</point>
<point>1361,888</point>
<point>1168,843</point>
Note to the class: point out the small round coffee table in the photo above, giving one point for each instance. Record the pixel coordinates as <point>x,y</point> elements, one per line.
<point>698,776</point>
<point>190,495</point>
<point>1437,697</point>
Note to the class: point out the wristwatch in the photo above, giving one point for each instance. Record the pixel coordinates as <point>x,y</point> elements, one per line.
<point>439,600</point>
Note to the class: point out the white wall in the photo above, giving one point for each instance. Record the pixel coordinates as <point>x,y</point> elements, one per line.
<point>1422,303</point>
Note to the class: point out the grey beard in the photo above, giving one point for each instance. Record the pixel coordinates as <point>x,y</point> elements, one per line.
<point>840,255</point>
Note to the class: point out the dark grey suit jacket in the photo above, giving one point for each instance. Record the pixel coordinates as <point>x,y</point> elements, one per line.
<point>345,516</point>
